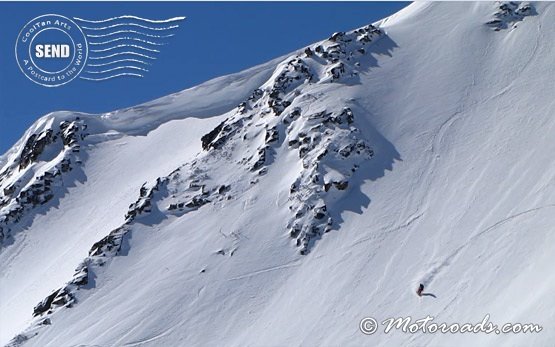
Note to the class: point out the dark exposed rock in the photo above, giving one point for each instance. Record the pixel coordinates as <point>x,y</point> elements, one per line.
<point>346,151</point>
<point>196,184</point>
<point>337,140</point>
<point>196,202</point>
<point>144,202</point>
<point>272,135</point>
<point>342,185</point>
<point>60,297</point>
<point>242,107</point>
<point>45,305</point>
<point>346,115</point>
<point>9,190</point>
<point>66,165</point>
<point>42,190</point>
<point>509,13</point>
<point>337,71</point>
<point>294,187</point>
<point>294,232</point>
<point>102,250</point>
<point>261,159</point>
<point>320,212</point>
<point>81,276</point>
<point>35,145</point>
<point>218,136</point>
<point>257,94</point>
<point>176,206</point>
<point>323,139</point>
<point>525,10</point>
<point>337,36</point>
<point>209,138</point>
<point>295,71</point>
<point>109,244</point>
<point>223,189</point>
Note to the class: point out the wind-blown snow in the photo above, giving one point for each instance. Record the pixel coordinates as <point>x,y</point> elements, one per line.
<point>459,195</point>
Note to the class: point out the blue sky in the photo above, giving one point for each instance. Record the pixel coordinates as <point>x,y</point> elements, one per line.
<point>217,38</point>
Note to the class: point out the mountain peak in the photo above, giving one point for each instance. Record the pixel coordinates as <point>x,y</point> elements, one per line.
<point>324,186</point>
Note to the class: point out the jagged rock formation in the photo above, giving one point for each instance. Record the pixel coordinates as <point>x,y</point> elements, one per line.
<point>328,144</point>
<point>509,13</point>
<point>331,151</point>
<point>377,142</point>
<point>25,187</point>
<point>99,254</point>
<point>277,116</point>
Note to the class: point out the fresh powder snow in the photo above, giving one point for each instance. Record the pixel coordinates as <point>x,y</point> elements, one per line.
<point>281,205</point>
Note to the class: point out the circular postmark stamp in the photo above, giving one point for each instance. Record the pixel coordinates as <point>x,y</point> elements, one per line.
<point>51,50</point>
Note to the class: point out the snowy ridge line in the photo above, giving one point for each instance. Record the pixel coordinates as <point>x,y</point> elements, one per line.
<point>328,142</point>
<point>124,46</point>
<point>120,61</point>
<point>118,68</point>
<point>127,38</point>
<point>132,24</point>
<point>461,131</point>
<point>130,31</point>
<point>187,189</point>
<point>112,76</point>
<point>174,19</point>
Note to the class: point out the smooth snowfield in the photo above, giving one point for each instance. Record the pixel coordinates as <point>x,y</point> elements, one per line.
<point>460,196</point>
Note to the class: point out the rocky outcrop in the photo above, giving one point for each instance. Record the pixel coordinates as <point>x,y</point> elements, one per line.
<point>277,116</point>
<point>59,298</point>
<point>331,152</point>
<point>328,142</point>
<point>143,205</point>
<point>100,252</point>
<point>25,185</point>
<point>34,147</point>
<point>508,14</point>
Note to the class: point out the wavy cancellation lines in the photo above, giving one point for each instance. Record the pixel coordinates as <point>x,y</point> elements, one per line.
<point>124,46</point>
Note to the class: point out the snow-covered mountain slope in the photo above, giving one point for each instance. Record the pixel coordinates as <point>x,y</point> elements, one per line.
<point>417,150</point>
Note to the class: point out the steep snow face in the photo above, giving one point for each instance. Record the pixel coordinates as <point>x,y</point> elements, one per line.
<point>416,151</point>
<point>90,197</point>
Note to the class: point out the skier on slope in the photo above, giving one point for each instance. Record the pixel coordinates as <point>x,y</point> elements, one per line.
<point>420,289</point>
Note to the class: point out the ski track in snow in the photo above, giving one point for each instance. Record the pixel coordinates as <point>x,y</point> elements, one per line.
<point>387,230</point>
<point>393,259</point>
<point>294,263</point>
<point>145,340</point>
<point>432,274</point>
<point>472,127</point>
